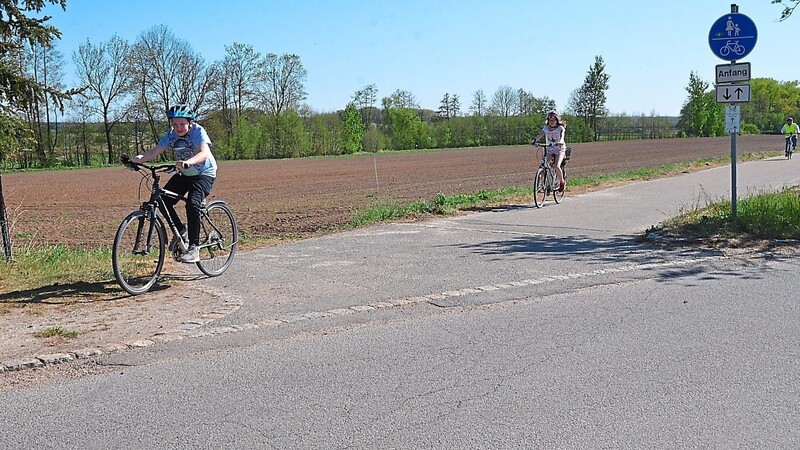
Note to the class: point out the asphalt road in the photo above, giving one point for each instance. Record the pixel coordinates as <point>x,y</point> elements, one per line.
<point>512,328</point>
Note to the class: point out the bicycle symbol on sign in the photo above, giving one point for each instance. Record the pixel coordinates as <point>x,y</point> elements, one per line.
<point>732,46</point>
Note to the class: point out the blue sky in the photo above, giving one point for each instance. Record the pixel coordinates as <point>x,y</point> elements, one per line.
<point>433,47</point>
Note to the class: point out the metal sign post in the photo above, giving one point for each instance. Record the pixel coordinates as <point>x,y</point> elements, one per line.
<point>731,37</point>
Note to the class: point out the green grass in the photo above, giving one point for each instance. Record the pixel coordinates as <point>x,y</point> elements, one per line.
<point>440,205</point>
<point>772,217</point>
<point>34,267</point>
<point>55,332</point>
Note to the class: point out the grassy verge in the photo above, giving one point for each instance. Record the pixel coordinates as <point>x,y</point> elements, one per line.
<point>765,218</point>
<point>37,267</point>
<point>34,267</point>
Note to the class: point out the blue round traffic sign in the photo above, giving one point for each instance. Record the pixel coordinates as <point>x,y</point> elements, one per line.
<point>732,36</point>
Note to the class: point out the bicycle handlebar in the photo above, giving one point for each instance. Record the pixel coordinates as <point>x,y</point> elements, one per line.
<point>126,161</point>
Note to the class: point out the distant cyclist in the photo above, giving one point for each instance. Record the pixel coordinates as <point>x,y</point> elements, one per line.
<point>197,170</point>
<point>790,130</point>
<point>554,129</point>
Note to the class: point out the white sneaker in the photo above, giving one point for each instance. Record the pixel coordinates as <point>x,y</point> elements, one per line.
<point>191,256</point>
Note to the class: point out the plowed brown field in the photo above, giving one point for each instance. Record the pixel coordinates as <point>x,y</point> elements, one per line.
<point>300,197</point>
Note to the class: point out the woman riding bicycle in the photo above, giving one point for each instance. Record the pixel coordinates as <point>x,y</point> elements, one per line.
<point>790,132</point>
<point>197,170</point>
<point>555,130</point>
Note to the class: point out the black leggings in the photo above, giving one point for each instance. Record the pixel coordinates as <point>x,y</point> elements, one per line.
<point>197,187</point>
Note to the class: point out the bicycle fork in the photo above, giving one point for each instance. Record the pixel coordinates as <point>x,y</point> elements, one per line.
<point>144,243</point>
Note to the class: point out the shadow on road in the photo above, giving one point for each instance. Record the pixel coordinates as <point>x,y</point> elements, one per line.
<point>81,292</point>
<point>612,249</point>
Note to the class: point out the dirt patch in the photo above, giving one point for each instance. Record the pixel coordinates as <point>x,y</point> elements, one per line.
<point>50,323</point>
<point>271,199</point>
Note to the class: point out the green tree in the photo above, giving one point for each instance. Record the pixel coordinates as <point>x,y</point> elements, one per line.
<point>406,129</point>
<point>353,133</point>
<point>18,92</point>
<point>772,101</point>
<point>364,100</point>
<point>589,101</point>
<point>701,115</point>
<point>444,107</point>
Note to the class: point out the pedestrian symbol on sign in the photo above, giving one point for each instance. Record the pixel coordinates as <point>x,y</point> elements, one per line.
<point>731,27</point>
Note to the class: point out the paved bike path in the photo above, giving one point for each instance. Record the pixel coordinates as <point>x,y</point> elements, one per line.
<point>513,252</point>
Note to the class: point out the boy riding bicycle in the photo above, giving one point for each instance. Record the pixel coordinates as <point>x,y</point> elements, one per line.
<point>197,170</point>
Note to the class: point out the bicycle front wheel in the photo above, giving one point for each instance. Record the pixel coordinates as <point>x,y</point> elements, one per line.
<point>137,258</point>
<point>219,237</point>
<point>541,184</point>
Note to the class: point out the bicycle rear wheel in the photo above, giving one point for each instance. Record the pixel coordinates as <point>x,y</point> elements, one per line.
<point>559,195</point>
<point>541,187</point>
<point>136,264</point>
<point>219,237</point>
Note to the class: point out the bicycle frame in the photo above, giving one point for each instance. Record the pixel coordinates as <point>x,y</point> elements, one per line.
<point>155,204</point>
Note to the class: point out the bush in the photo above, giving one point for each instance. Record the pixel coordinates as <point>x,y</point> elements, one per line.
<point>750,128</point>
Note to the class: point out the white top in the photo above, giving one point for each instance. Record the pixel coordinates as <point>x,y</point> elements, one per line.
<point>554,135</point>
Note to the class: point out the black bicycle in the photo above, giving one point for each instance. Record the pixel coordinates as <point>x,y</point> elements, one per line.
<point>140,244</point>
<point>546,181</point>
<point>789,149</point>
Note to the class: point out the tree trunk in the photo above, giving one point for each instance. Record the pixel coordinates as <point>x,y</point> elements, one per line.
<point>4,224</point>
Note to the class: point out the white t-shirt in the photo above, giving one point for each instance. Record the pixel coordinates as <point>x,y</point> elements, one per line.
<point>554,135</point>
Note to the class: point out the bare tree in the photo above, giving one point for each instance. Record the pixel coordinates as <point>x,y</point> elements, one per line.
<point>43,64</point>
<point>503,101</point>
<point>168,71</point>
<point>81,115</point>
<point>281,84</point>
<point>400,99</point>
<point>235,89</point>
<point>479,103</point>
<point>103,69</point>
